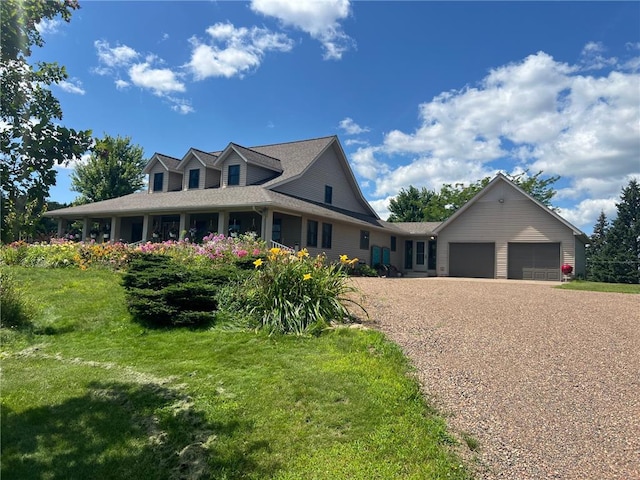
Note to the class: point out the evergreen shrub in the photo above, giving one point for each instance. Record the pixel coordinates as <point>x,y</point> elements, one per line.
<point>162,291</point>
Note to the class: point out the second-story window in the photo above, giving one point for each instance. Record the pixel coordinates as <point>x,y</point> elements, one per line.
<point>328,194</point>
<point>234,175</point>
<point>194,178</point>
<point>158,179</point>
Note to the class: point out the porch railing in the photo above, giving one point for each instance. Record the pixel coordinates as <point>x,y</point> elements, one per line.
<point>275,244</point>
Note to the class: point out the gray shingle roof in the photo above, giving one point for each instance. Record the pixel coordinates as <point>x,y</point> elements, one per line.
<point>417,228</point>
<point>257,158</point>
<point>213,199</point>
<point>207,158</point>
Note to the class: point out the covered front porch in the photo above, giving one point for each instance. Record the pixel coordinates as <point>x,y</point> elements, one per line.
<point>279,227</point>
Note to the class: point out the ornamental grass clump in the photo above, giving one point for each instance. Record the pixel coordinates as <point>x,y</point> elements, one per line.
<point>295,293</point>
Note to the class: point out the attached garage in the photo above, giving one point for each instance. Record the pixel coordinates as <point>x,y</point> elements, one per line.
<point>534,261</point>
<point>475,260</point>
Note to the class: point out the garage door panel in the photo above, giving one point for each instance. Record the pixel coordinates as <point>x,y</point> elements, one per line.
<point>474,260</point>
<point>534,261</point>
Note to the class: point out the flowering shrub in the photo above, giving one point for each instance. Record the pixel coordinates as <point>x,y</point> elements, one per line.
<point>215,249</point>
<point>295,293</point>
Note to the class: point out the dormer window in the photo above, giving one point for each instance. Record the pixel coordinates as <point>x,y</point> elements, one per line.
<point>194,178</point>
<point>158,180</point>
<point>328,194</point>
<point>234,175</point>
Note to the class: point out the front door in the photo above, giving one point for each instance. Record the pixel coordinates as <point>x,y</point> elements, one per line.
<point>408,254</point>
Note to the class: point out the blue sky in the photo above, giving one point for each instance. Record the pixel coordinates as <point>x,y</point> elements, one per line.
<point>419,93</point>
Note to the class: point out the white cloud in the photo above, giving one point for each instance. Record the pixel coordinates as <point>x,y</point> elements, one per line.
<point>587,211</point>
<point>538,114</point>
<point>382,207</point>
<point>72,164</point>
<point>122,84</point>
<point>73,86</point>
<point>159,80</point>
<point>233,51</point>
<point>48,26</point>
<point>593,57</point>
<point>319,19</point>
<point>352,128</point>
<point>111,57</point>
<point>180,105</point>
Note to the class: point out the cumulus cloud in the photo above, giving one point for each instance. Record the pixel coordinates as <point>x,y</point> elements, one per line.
<point>231,51</point>
<point>111,57</point>
<point>46,25</point>
<point>74,86</point>
<point>352,128</point>
<point>158,80</point>
<point>123,61</point>
<point>537,113</point>
<point>321,20</point>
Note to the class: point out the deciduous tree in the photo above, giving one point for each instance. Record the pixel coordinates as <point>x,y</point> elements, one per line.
<point>113,169</point>
<point>32,141</point>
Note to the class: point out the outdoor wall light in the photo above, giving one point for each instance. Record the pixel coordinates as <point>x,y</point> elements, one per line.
<point>501,200</point>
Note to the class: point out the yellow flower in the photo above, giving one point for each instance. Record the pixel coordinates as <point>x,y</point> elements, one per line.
<point>306,276</point>
<point>258,262</point>
<point>303,253</point>
<point>274,251</point>
<point>344,258</point>
<point>353,262</point>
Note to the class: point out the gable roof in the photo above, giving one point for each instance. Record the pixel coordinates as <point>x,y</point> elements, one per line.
<point>257,158</point>
<point>206,159</point>
<point>501,178</point>
<point>169,163</point>
<point>417,228</point>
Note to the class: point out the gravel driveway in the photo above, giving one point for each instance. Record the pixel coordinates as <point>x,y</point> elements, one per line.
<point>546,380</point>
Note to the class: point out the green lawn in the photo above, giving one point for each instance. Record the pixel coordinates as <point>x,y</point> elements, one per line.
<point>90,394</point>
<point>601,287</point>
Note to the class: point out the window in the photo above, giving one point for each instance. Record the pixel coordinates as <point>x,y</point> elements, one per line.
<point>276,232</point>
<point>312,233</point>
<point>234,175</point>
<point>328,194</point>
<point>419,253</point>
<point>326,235</point>
<point>393,243</point>
<point>364,240</point>
<point>194,178</point>
<point>158,181</point>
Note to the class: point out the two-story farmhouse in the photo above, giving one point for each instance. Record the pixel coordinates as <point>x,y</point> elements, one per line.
<point>304,195</point>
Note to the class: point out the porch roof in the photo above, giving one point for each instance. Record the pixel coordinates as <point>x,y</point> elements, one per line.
<point>214,199</point>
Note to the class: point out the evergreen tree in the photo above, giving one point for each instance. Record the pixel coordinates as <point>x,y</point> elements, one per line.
<point>622,249</point>
<point>596,263</point>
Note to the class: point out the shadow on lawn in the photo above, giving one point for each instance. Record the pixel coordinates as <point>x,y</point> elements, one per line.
<point>125,431</point>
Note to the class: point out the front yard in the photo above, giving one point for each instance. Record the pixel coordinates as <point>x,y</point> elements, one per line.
<point>87,393</point>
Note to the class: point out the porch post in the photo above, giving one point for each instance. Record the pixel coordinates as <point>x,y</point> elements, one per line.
<point>267,228</point>
<point>116,223</point>
<point>222,221</point>
<point>183,226</point>
<point>145,227</point>
<point>85,228</point>
<point>62,223</point>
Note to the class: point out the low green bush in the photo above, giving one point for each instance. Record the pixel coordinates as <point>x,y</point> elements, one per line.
<point>162,291</point>
<point>14,308</point>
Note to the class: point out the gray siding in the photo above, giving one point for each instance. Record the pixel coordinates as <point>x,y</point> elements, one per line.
<point>234,159</point>
<point>211,178</point>
<point>256,174</point>
<point>194,163</point>
<point>515,219</point>
<point>157,168</point>
<point>175,181</point>
<point>326,170</point>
